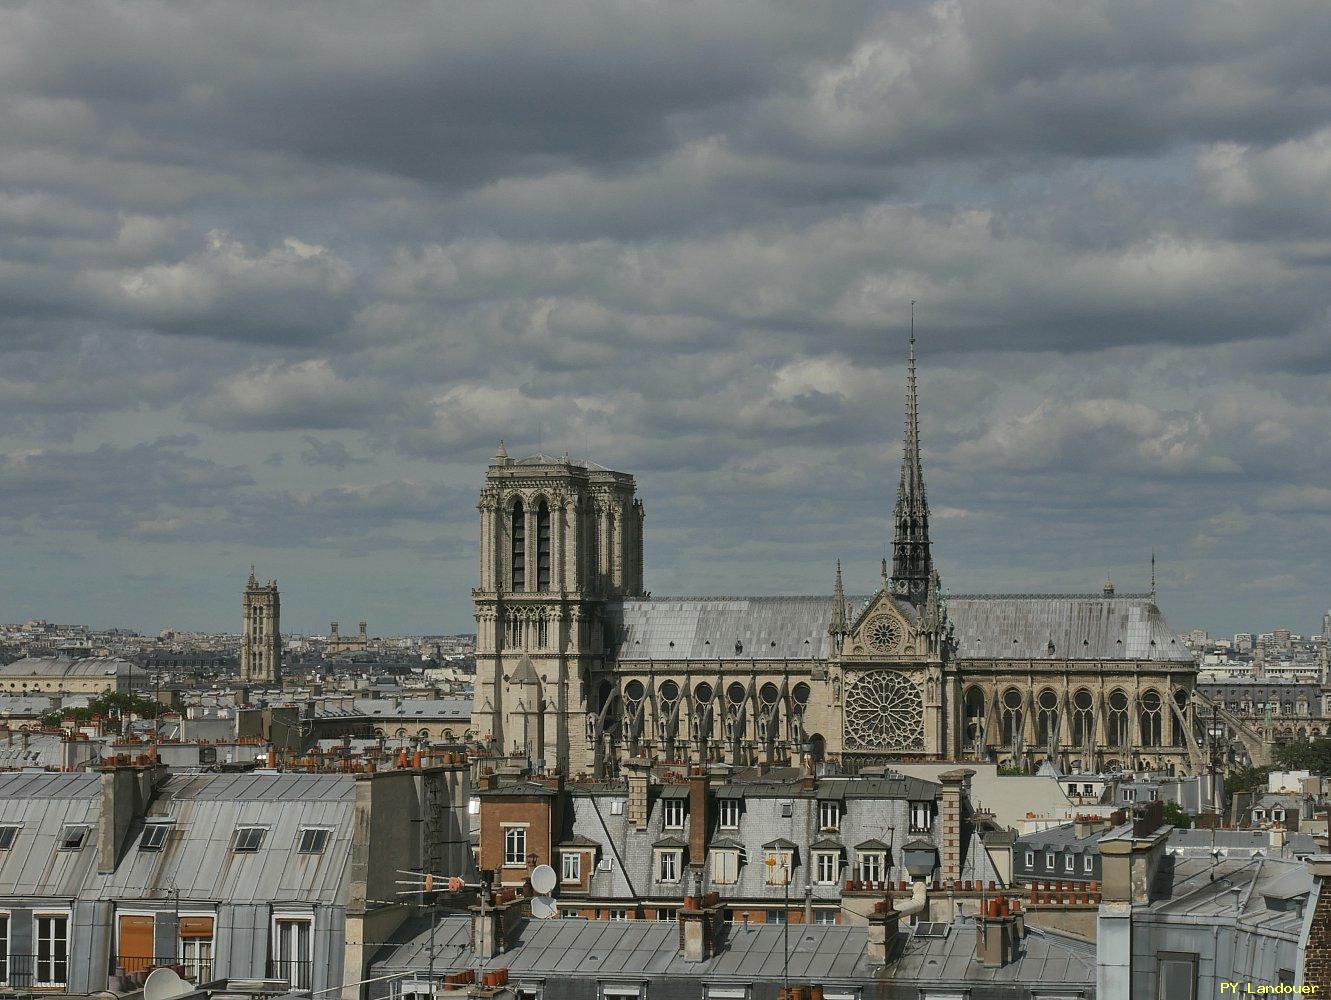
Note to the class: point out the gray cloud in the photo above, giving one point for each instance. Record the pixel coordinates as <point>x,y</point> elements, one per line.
<point>682,239</point>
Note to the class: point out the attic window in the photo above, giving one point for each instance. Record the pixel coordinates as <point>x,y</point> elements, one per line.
<point>248,839</point>
<point>312,841</point>
<point>153,837</point>
<point>7,836</point>
<point>72,838</point>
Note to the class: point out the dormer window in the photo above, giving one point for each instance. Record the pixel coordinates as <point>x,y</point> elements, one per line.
<point>673,814</point>
<point>829,815</point>
<point>725,865</point>
<point>669,861</point>
<point>728,815</point>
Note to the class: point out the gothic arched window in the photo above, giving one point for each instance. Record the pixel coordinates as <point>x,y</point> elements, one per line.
<point>1181,700</point>
<point>1011,717</point>
<point>542,545</point>
<point>518,532</point>
<point>1150,718</point>
<point>1083,719</point>
<point>1116,727</point>
<point>1046,719</point>
<point>974,716</point>
<point>667,696</point>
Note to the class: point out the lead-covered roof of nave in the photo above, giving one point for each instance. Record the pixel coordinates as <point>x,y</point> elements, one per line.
<point>986,626</point>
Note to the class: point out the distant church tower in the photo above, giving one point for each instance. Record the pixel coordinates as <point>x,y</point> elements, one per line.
<point>558,539</point>
<point>261,639</point>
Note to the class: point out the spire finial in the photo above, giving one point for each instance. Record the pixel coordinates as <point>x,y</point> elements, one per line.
<point>1153,575</point>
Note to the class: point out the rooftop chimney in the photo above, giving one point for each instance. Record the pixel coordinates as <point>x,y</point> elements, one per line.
<point>697,816</point>
<point>883,926</point>
<point>639,771</point>
<point>996,934</point>
<point>955,785</point>
<point>699,918</point>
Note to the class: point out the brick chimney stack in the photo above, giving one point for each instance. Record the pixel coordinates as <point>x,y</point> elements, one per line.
<point>1316,970</point>
<point>697,816</point>
<point>956,785</point>
<point>639,771</point>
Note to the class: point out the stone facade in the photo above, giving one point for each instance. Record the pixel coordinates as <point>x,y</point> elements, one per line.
<point>261,637</point>
<point>578,669</point>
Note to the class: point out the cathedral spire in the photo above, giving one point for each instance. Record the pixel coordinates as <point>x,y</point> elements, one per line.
<point>912,564</point>
<point>838,626</point>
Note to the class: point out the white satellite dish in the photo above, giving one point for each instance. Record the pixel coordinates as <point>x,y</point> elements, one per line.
<point>542,907</point>
<point>164,984</point>
<point>543,879</point>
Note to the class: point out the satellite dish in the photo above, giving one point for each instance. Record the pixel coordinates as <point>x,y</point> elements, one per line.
<point>542,907</point>
<point>543,879</point>
<point>164,984</point>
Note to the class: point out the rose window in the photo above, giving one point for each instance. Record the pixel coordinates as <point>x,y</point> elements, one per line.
<point>884,711</point>
<point>883,633</point>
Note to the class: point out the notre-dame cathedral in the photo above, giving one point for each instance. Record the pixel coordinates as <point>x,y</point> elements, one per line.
<point>578,667</point>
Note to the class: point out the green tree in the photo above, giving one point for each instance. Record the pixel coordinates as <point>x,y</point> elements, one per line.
<point>1177,816</point>
<point>1306,755</point>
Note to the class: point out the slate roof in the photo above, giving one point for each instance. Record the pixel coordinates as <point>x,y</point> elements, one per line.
<point>1049,960</point>
<point>611,950</point>
<point>205,811</point>
<point>986,626</point>
<point>42,804</point>
<point>1230,889</point>
<point>706,628</point>
<point>1091,626</point>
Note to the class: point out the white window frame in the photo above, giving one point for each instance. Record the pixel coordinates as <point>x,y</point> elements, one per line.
<point>619,915</point>
<point>1069,863</point>
<point>1129,795</point>
<point>302,968</point>
<point>827,867</point>
<point>570,867</point>
<point>728,814</point>
<point>870,865</point>
<point>921,817</point>
<point>1088,864</point>
<point>510,829</point>
<point>669,864</point>
<point>620,990</point>
<point>672,814</point>
<point>37,917</point>
<point>1050,862</point>
<point>829,814</point>
<point>196,963</point>
<point>1030,859</point>
<point>6,921</point>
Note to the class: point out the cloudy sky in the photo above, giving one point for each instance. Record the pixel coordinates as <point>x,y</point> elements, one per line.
<point>274,280</point>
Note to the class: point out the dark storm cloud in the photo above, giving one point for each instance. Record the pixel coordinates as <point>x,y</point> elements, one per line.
<point>681,239</point>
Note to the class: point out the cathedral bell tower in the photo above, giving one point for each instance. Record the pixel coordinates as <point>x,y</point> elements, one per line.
<point>559,538</point>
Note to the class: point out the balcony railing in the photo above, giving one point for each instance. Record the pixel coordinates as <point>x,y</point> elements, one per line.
<point>297,974</point>
<point>28,971</point>
<point>136,967</point>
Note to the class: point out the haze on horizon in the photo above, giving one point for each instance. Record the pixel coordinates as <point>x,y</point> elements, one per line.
<point>275,281</point>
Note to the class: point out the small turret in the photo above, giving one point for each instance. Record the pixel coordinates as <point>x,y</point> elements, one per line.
<point>838,626</point>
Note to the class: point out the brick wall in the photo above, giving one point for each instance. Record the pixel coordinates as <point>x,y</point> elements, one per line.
<point>1317,957</point>
<point>533,811</point>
